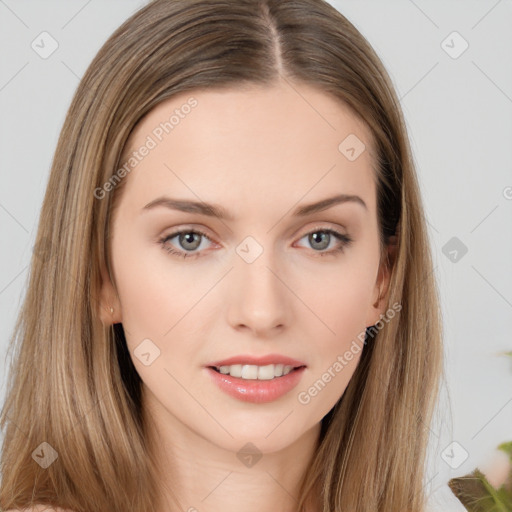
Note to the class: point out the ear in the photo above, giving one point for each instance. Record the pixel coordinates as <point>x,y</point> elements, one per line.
<point>381,289</point>
<point>108,299</point>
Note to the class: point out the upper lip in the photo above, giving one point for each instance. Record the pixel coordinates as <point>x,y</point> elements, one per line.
<point>258,361</point>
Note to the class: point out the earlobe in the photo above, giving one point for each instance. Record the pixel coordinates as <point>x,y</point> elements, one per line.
<point>108,304</point>
<point>379,298</point>
<point>381,291</point>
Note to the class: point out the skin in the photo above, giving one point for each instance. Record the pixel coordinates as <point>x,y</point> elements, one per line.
<point>259,152</point>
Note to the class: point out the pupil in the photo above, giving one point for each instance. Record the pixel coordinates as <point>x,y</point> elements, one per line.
<point>319,235</point>
<point>189,238</point>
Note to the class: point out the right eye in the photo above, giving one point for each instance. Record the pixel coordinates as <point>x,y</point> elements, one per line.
<point>188,239</point>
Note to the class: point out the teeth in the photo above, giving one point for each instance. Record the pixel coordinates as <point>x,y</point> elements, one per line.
<point>250,371</point>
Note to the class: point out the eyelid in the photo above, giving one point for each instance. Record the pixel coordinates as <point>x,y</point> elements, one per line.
<point>185,228</point>
<point>344,240</point>
<point>342,236</point>
<point>321,226</point>
<point>318,226</point>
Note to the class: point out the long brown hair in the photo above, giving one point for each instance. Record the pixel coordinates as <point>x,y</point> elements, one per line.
<point>72,384</point>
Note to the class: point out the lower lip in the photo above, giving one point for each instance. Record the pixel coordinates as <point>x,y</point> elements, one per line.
<point>254,390</point>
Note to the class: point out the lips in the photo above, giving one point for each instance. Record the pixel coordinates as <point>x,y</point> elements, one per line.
<point>256,391</point>
<point>257,361</point>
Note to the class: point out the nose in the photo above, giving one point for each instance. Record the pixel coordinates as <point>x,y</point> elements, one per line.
<point>258,298</point>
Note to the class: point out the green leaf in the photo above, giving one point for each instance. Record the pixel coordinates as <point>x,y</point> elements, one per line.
<point>478,495</point>
<point>507,448</point>
<point>501,496</point>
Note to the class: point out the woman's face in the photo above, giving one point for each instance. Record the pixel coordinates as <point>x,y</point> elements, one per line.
<point>263,280</point>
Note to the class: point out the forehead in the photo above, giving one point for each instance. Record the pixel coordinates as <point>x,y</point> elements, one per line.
<point>251,143</point>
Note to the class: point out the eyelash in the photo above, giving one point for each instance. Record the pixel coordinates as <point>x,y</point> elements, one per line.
<point>344,240</point>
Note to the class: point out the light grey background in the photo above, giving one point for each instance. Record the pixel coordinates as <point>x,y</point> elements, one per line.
<point>459,116</point>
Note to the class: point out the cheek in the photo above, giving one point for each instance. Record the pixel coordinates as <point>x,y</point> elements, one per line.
<point>340,301</point>
<point>151,303</point>
<point>337,328</point>
<point>163,302</point>
<point>156,301</point>
<point>342,310</point>
<point>340,295</point>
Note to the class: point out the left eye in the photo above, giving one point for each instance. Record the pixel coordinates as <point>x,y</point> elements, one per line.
<point>320,239</point>
<point>190,240</point>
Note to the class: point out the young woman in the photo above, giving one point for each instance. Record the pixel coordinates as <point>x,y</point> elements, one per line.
<point>231,302</point>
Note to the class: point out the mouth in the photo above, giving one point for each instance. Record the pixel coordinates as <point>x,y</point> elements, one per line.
<point>256,372</point>
<point>256,384</point>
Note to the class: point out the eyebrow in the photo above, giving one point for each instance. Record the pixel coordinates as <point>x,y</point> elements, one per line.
<point>213,210</point>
